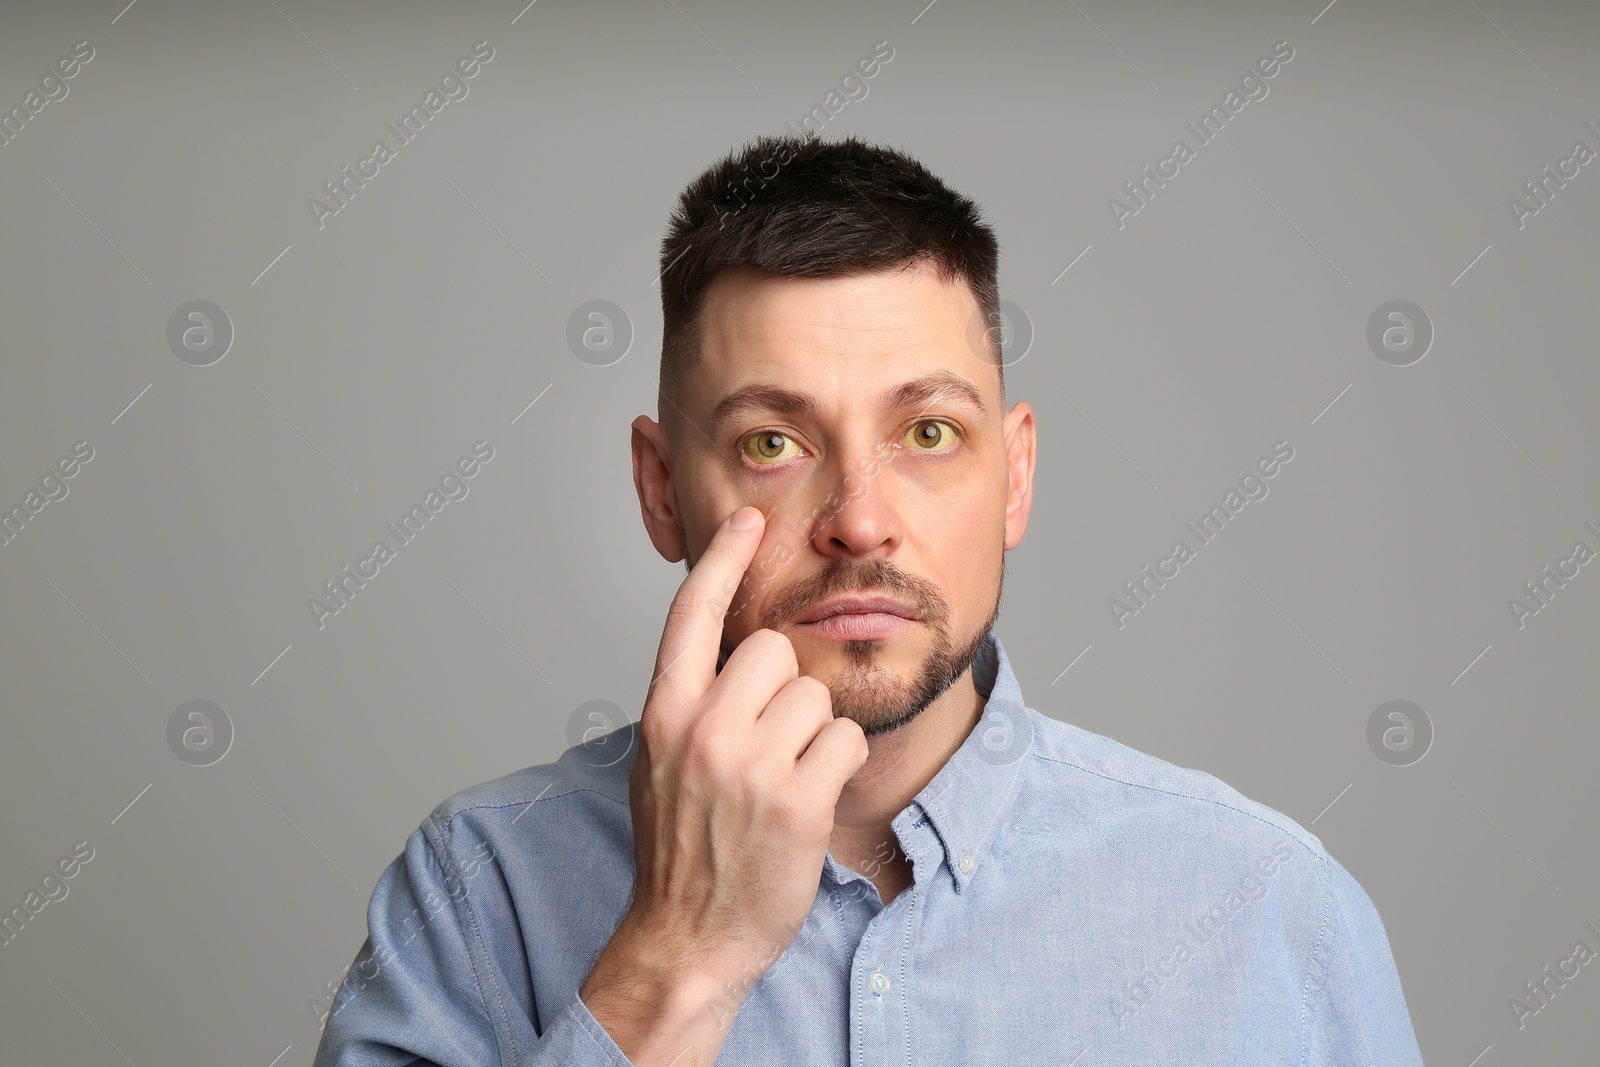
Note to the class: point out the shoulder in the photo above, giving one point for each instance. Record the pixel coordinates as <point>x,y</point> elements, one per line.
<point>1086,778</point>
<point>586,786</point>
<point>1161,839</point>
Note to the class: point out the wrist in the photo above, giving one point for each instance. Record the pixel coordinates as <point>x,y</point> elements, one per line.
<point>655,997</point>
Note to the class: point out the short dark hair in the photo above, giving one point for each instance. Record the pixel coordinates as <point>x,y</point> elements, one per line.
<point>799,207</point>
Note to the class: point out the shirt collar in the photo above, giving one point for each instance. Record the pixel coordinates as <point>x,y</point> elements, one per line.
<point>958,814</point>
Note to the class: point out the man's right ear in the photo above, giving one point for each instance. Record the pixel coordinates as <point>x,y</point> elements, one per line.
<point>652,478</point>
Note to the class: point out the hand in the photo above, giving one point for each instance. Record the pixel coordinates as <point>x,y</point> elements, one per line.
<point>732,796</point>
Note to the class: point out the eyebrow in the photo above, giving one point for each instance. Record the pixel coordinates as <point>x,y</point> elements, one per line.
<point>918,392</point>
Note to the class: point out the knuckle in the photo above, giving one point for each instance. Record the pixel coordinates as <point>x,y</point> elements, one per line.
<point>812,695</point>
<point>857,735</point>
<point>707,746</point>
<point>652,731</point>
<point>687,603</point>
<point>716,558</point>
<point>848,734</point>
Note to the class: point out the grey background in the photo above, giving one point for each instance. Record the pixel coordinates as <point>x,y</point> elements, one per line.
<point>1226,316</point>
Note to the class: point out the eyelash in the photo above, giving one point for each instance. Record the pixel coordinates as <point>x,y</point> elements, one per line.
<point>959,434</point>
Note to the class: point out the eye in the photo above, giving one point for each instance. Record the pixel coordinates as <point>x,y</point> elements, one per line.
<point>931,435</point>
<point>768,447</point>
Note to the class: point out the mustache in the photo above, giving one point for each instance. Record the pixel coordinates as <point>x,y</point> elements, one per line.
<point>874,576</point>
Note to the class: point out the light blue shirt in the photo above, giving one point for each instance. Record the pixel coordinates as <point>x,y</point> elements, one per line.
<point>1075,902</point>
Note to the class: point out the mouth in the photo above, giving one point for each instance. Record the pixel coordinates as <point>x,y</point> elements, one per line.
<point>858,618</point>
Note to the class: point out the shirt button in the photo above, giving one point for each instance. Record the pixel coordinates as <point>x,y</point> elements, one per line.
<point>879,982</point>
<point>964,861</point>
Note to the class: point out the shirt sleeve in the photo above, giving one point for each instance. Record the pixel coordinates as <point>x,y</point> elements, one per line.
<point>419,994</point>
<point>1358,1015</point>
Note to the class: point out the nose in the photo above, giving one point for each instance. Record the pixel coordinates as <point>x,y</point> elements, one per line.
<point>856,517</point>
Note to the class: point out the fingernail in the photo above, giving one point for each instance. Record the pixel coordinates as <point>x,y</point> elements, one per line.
<point>745,518</point>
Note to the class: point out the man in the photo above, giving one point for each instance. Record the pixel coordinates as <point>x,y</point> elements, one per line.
<point>837,834</point>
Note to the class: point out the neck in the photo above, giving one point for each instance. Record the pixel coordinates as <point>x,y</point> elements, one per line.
<point>899,765</point>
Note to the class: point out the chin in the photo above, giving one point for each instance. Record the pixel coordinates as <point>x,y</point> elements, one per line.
<point>883,685</point>
<point>897,652</point>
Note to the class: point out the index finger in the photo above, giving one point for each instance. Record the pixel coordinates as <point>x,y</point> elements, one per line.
<point>692,637</point>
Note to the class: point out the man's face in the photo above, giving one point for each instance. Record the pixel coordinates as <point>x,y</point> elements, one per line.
<point>862,416</point>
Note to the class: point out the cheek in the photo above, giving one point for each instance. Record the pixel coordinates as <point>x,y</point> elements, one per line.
<point>769,573</point>
<point>979,579</point>
<point>971,513</point>
<point>717,491</point>
<point>965,573</point>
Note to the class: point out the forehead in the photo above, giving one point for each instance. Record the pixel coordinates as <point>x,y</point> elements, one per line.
<point>836,333</point>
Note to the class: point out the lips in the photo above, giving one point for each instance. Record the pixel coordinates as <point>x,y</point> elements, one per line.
<point>876,605</point>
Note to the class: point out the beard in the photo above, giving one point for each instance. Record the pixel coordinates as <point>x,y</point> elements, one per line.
<point>879,701</point>
<point>864,688</point>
